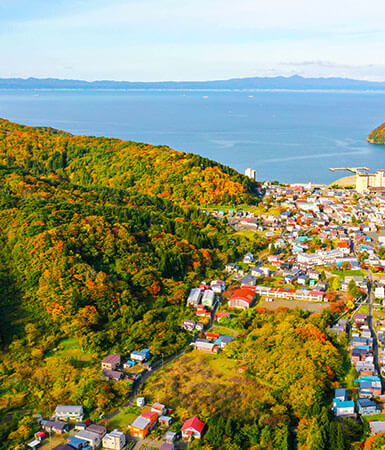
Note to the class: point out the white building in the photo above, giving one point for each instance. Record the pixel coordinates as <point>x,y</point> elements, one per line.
<point>92,438</point>
<point>208,298</point>
<point>115,440</point>
<point>379,292</point>
<point>194,298</point>
<point>248,258</point>
<point>69,412</point>
<point>251,173</point>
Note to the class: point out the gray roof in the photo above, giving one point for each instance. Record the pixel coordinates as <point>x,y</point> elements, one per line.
<point>88,435</point>
<point>65,409</point>
<point>140,422</point>
<point>378,426</point>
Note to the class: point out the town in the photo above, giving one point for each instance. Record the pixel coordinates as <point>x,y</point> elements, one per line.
<point>322,248</point>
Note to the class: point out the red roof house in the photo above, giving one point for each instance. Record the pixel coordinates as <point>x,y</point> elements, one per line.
<point>242,298</point>
<point>193,428</point>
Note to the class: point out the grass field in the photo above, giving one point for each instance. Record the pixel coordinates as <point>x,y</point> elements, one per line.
<point>124,418</point>
<point>374,417</point>
<point>224,330</point>
<point>349,273</point>
<point>363,309</point>
<point>249,234</point>
<point>200,383</point>
<point>70,348</point>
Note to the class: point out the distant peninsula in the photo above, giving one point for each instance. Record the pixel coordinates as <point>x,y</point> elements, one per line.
<point>295,82</point>
<point>377,136</point>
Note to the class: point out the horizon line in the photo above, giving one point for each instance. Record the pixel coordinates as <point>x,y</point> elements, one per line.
<point>235,78</point>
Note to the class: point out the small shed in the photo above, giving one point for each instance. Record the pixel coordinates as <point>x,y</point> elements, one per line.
<point>140,401</point>
<point>165,421</point>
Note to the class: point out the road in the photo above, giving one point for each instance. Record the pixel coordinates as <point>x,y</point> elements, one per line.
<point>370,324</point>
<point>370,321</point>
<point>146,375</point>
<point>159,365</point>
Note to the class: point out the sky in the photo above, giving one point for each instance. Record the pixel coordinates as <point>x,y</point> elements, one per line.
<point>160,40</point>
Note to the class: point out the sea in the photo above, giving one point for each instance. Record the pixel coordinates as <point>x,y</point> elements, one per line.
<point>288,136</point>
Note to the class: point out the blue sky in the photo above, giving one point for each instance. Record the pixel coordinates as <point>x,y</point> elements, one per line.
<point>191,40</point>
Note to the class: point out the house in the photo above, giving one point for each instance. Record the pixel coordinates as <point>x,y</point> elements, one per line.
<point>199,326</point>
<point>92,438</point>
<point>206,346</point>
<point>140,356</point>
<point>379,292</point>
<point>115,440</point>
<point>111,362</point>
<point>165,421</point>
<point>208,298</point>
<point>222,341</point>
<point>360,319</point>
<point>222,316</point>
<point>188,325</point>
<point>248,280</point>
<point>377,426</point>
<point>341,394</point>
<point>114,375</point>
<point>369,388</point>
<point>69,412</point>
<point>248,258</point>
<point>140,401</point>
<point>265,271</point>
<point>78,444</point>
<point>218,286</point>
<point>158,408</point>
<point>231,267</point>
<point>313,274</point>
<point>211,336</point>
<point>194,297</point>
<point>80,426</point>
<point>343,407</point>
<point>302,279</point>
<point>202,311</point>
<point>170,437</point>
<point>143,424</point>
<point>367,407</point>
<point>40,435</point>
<point>128,364</point>
<point>34,445</point>
<point>99,429</point>
<point>55,426</point>
<point>242,298</point>
<point>256,272</point>
<point>193,428</point>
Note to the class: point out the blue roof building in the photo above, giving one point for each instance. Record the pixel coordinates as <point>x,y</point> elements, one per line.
<point>340,394</point>
<point>78,443</point>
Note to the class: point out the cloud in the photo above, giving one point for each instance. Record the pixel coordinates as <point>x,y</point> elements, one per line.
<point>200,39</point>
<point>374,72</point>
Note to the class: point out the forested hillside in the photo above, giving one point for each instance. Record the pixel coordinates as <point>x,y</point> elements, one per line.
<point>87,270</point>
<point>377,136</point>
<point>182,177</point>
<point>268,387</point>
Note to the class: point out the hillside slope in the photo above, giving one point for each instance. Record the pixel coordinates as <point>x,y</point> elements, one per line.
<point>97,256</point>
<point>185,178</point>
<point>99,268</point>
<point>377,136</point>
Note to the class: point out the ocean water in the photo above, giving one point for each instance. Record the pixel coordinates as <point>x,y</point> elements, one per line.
<point>285,136</point>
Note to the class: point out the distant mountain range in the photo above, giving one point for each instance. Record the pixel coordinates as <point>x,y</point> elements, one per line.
<point>295,82</point>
